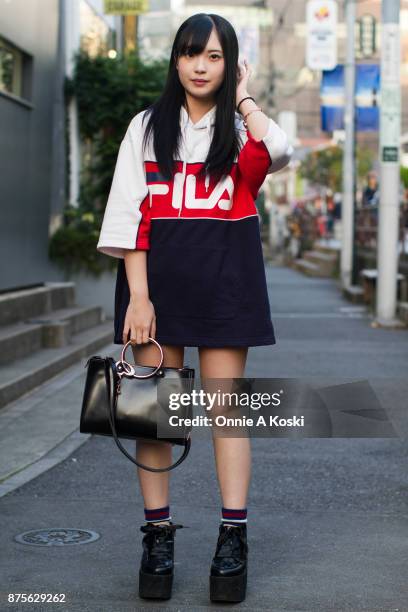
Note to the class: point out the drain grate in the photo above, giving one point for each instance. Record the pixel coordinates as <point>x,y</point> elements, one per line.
<point>57,537</point>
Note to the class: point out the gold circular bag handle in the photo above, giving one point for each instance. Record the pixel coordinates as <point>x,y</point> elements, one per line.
<point>126,369</point>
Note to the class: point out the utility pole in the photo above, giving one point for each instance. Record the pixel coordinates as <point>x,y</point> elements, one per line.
<point>390,132</point>
<point>130,33</point>
<point>346,260</point>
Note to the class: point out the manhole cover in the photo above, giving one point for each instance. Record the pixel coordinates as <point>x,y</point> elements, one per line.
<point>57,537</point>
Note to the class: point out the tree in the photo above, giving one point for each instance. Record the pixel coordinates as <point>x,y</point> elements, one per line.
<point>108,92</point>
<point>325,167</point>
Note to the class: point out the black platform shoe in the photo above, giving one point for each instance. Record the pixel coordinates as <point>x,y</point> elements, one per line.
<point>228,576</point>
<point>156,569</point>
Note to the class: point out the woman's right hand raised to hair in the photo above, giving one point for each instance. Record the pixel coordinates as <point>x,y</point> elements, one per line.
<point>140,320</point>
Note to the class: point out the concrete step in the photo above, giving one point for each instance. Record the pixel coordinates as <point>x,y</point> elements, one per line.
<point>53,330</point>
<point>16,306</point>
<point>320,257</point>
<point>331,247</point>
<point>309,268</point>
<point>402,310</point>
<point>19,340</point>
<point>74,320</point>
<point>327,262</point>
<point>354,293</point>
<point>23,375</point>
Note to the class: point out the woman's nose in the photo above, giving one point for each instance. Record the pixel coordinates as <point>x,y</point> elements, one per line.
<point>200,64</point>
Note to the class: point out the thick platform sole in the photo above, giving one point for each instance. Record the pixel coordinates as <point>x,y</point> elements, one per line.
<point>228,588</point>
<point>155,587</point>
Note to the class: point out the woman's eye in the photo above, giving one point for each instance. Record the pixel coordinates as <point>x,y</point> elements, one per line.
<point>212,56</point>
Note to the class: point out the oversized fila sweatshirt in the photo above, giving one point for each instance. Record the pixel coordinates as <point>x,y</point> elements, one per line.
<point>205,269</point>
<point>140,196</point>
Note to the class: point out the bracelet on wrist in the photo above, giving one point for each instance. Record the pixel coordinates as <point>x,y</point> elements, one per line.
<point>254,110</point>
<point>247,98</point>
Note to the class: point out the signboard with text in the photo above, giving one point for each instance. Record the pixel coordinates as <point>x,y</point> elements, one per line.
<point>125,7</point>
<point>321,45</point>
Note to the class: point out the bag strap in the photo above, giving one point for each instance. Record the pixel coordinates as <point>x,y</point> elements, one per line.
<point>112,402</point>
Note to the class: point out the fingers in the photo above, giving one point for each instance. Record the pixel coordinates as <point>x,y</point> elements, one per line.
<point>244,70</point>
<point>134,330</point>
<point>145,334</point>
<point>125,335</point>
<point>248,70</point>
<point>138,331</point>
<point>139,334</point>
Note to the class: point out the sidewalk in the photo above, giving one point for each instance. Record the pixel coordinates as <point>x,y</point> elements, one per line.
<point>327,517</point>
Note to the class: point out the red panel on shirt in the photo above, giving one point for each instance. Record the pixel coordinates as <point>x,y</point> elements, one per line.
<point>231,199</point>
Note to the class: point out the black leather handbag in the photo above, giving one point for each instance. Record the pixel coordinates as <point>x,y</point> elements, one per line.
<point>132,401</point>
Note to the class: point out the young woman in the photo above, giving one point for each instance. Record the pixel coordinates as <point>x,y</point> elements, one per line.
<point>182,220</point>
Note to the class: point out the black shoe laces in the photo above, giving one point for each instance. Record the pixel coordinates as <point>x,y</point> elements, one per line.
<point>230,542</point>
<point>157,538</point>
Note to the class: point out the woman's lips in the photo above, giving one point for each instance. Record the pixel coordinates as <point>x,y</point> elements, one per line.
<point>199,82</point>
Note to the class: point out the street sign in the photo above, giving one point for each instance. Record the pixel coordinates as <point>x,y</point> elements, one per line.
<point>390,154</point>
<point>367,32</point>
<point>125,7</point>
<point>321,45</point>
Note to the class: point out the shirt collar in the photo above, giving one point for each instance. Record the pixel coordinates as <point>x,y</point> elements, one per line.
<point>205,121</point>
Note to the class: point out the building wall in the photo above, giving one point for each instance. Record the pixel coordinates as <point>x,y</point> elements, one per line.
<point>32,135</point>
<point>28,190</point>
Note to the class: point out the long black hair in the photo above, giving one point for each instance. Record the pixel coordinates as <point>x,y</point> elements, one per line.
<point>164,113</point>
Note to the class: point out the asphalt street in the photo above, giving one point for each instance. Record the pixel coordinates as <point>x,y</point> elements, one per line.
<point>327,517</point>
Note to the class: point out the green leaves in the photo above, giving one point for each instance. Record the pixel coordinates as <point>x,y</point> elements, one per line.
<point>108,93</point>
<point>404,176</point>
<point>325,167</point>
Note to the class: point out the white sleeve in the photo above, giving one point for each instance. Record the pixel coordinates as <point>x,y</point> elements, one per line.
<point>126,221</point>
<point>277,143</point>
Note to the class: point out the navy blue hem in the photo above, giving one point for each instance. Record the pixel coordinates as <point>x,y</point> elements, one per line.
<point>212,342</point>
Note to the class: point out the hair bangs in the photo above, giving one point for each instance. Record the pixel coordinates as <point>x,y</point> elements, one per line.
<point>194,38</point>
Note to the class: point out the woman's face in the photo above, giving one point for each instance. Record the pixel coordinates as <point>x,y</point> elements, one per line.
<point>201,75</point>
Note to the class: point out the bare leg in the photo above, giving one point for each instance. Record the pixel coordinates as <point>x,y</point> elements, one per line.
<point>232,455</point>
<point>155,486</point>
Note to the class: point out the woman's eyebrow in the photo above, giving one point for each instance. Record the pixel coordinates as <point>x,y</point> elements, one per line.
<point>210,50</point>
